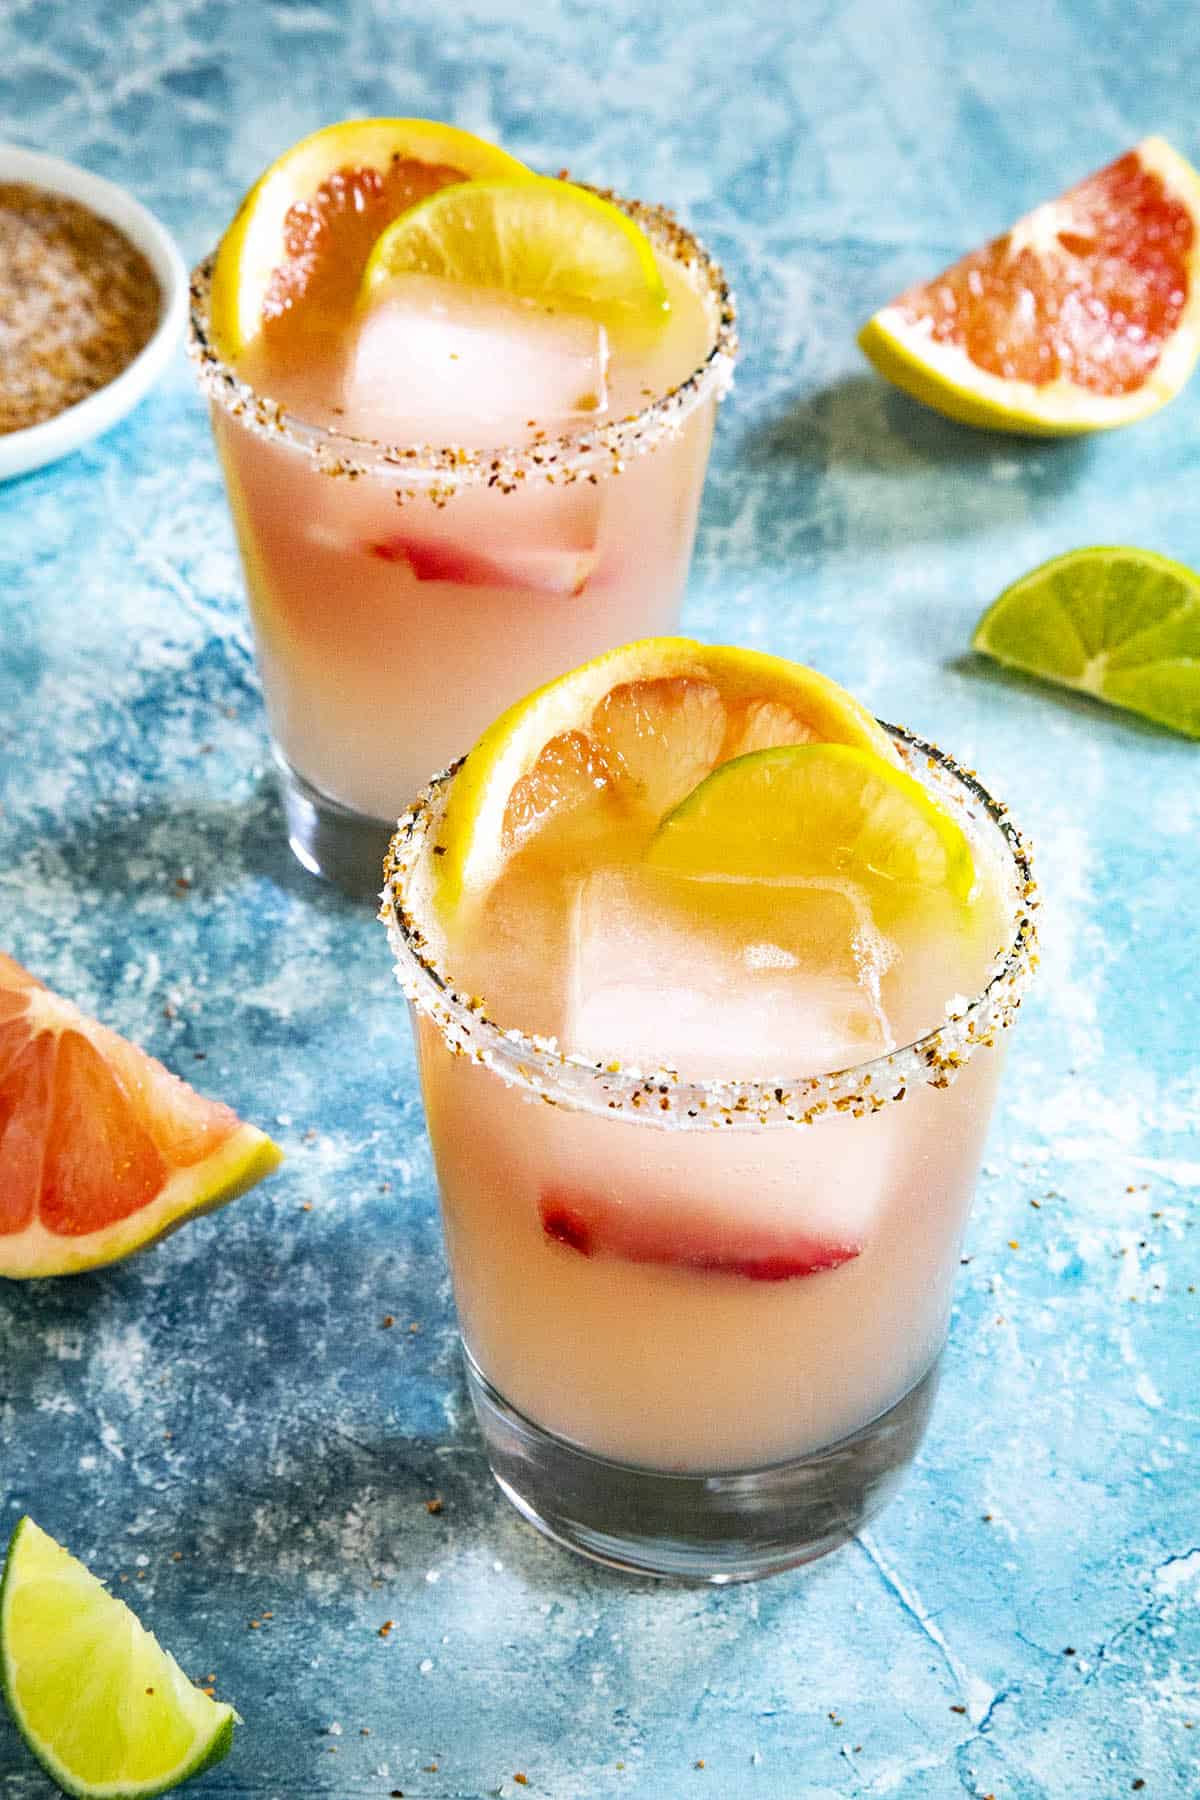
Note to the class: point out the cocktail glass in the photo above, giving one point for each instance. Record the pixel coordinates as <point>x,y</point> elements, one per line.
<point>693,1421</point>
<point>402,595</point>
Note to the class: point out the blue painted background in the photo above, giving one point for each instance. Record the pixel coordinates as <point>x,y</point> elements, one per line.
<point>225,1428</point>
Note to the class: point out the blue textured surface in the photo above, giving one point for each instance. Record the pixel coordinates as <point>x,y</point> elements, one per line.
<point>225,1423</point>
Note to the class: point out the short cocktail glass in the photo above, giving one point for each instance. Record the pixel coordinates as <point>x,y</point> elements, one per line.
<point>682,1421</point>
<point>403,594</point>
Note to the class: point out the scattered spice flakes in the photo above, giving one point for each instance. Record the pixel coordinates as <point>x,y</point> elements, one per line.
<point>1014,1244</point>
<point>1070,1650</point>
<point>434,1505</point>
<point>385,1630</point>
<point>389,1319</point>
<point>1139,1783</point>
<point>78,302</point>
<point>522,1780</point>
<point>699,1763</point>
<point>256,1624</point>
<point>958,1709</point>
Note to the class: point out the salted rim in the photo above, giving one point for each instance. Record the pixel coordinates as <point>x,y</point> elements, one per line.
<point>439,472</point>
<point>663,1097</point>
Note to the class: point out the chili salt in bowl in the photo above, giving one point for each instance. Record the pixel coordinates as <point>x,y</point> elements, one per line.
<point>35,445</point>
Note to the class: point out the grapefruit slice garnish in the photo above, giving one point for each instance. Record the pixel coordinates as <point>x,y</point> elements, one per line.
<point>630,733</point>
<point>294,255</point>
<point>597,1224</point>
<point>1086,315</point>
<point>102,1150</point>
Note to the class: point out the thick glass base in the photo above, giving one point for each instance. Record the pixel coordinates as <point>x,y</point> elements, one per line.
<point>718,1528</point>
<point>328,839</point>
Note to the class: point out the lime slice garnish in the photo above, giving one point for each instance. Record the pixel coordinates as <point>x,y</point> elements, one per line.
<point>1118,623</point>
<point>106,1711</point>
<point>817,812</point>
<point>541,240</point>
<point>647,721</point>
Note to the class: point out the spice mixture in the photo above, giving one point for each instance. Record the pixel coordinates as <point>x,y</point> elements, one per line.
<point>77,304</point>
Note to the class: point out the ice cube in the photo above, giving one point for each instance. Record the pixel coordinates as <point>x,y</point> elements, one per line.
<point>740,980</point>
<point>436,362</point>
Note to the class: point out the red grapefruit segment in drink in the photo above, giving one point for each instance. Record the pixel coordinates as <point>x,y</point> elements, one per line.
<point>102,1150</point>
<point>678,1236</point>
<point>1086,315</point>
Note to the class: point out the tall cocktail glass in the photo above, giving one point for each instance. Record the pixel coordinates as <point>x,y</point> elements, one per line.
<point>692,1421</point>
<point>403,594</point>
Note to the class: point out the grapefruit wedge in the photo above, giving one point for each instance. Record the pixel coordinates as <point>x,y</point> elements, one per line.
<point>1086,315</point>
<point>102,1150</point>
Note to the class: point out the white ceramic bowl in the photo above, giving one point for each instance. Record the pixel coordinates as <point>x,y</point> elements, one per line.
<point>21,451</point>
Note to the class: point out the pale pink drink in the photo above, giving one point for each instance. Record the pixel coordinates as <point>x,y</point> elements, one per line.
<point>446,507</point>
<point>703,1282</point>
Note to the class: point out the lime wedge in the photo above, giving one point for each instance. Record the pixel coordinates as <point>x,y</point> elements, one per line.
<point>817,812</point>
<point>106,1711</point>
<point>541,240</point>
<point>1118,623</point>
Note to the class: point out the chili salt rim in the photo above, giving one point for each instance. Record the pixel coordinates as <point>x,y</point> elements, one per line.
<point>663,1097</point>
<point>427,471</point>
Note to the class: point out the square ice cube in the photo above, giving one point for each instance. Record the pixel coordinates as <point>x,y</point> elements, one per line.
<point>433,361</point>
<point>747,982</point>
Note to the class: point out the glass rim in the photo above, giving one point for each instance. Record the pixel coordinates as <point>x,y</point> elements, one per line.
<point>440,471</point>
<point>666,1097</point>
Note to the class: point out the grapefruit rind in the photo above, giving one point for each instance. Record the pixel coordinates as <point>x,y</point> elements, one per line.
<point>540,239</point>
<point>34,1558</point>
<point>236,1166</point>
<point>942,376</point>
<point>251,248</point>
<point>1120,624</point>
<point>470,835</point>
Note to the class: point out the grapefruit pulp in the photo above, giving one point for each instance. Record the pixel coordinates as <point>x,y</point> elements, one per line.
<point>1085,315</point>
<point>102,1150</point>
